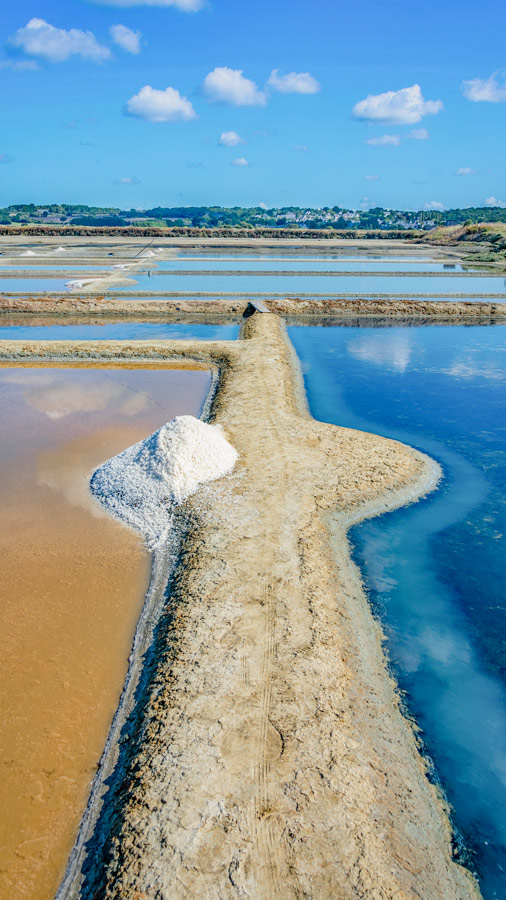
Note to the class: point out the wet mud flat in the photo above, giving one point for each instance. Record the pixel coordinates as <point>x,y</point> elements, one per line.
<point>73,585</point>
<point>270,757</point>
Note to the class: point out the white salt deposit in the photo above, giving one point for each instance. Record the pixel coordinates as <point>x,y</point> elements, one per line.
<point>28,253</point>
<point>147,253</point>
<point>144,484</point>
<point>59,250</point>
<point>78,283</point>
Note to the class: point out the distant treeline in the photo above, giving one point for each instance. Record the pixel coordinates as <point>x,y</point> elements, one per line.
<point>283,218</point>
<point>231,233</point>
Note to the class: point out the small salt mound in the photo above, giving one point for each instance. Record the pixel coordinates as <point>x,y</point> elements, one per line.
<point>147,253</point>
<point>78,283</point>
<point>143,484</point>
<point>28,253</point>
<point>59,250</point>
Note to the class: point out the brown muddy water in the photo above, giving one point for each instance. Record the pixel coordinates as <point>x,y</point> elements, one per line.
<point>72,586</point>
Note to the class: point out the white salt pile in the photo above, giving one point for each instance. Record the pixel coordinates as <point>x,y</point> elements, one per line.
<point>28,253</point>
<point>78,283</point>
<point>143,484</point>
<point>147,253</point>
<point>59,250</point>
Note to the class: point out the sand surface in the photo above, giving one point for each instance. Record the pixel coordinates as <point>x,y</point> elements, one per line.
<point>270,758</point>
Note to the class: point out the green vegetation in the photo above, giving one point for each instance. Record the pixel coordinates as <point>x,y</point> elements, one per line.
<point>286,218</point>
<point>485,241</point>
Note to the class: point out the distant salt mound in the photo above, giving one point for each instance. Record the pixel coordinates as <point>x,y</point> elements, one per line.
<point>59,250</point>
<point>77,283</point>
<point>144,484</point>
<point>28,253</point>
<point>147,253</point>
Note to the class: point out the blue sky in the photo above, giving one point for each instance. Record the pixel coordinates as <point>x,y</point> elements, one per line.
<point>325,111</point>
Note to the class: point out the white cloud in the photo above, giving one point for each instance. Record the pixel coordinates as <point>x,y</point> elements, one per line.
<point>241,161</point>
<point>39,38</point>
<point>419,134</point>
<point>392,350</point>
<point>182,5</point>
<point>230,139</point>
<point>466,170</point>
<point>126,38</point>
<point>57,398</point>
<point>263,206</point>
<point>365,203</point>
<point>371,177</point>
<point>19,65</point>
<point>485,90</point>
<point>154,105</point>
<point>493,201</point>
<point>386,140</point>
<point>435,205</point>
<point>467,368</point>
<point>130,179</point>
<point>224,85</point>
<point>404,107</point>
<point>293,83</point>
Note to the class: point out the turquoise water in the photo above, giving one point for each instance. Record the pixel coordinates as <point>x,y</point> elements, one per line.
<point>31,265</point>
<point>435,571</point>
<point>36,285</point>
<point>119,331</point>
<point>290,264</point>
<point>314,284</point>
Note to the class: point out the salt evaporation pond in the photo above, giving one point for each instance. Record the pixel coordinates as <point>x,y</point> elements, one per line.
<point>311,284</point>
<point>119,331</point>
<point>32,285</point>
<point>435,570</point>
<point>73,583</point>
<point>30,265</point>
<point>304,264</point>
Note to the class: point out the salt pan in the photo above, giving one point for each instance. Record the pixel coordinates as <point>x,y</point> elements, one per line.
<point>144,484</point>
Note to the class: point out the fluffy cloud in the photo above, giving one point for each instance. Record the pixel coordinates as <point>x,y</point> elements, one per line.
<point>183,5</point>
<point>393,351</point>
<point>419,134</point>
<point>131,179</point>
<point>39,38</point>
<point>154,105</point>
<point>19,65</point>
<point>126,38</point>
<point>224,85</point>
<point>386,140</point>
<point>241,161</point>
<point>434,205</point>
<point>404,107</point>
<point>293,83</point>
<point>485,90</point>
<point>493,201</point>
<point>230,139</point>
<point>466,170</point>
